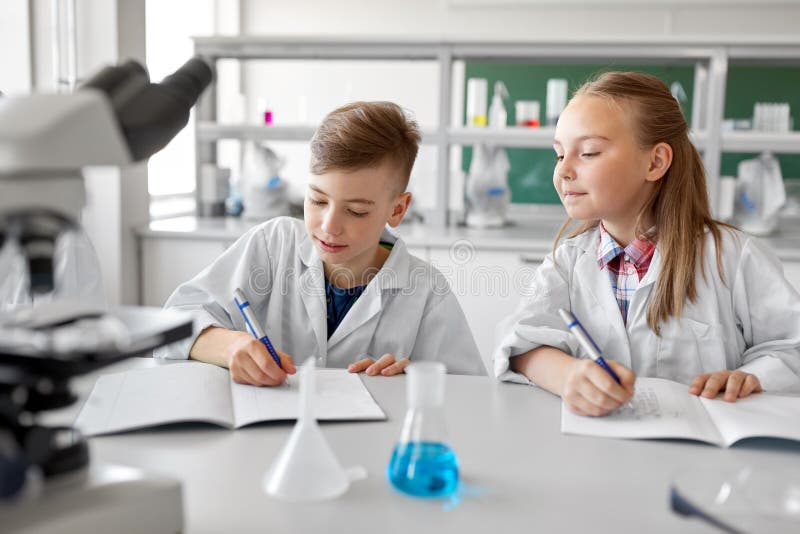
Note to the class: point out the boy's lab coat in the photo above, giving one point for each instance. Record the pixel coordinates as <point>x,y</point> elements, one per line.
<point>407,309</point>
<point>752,323</point>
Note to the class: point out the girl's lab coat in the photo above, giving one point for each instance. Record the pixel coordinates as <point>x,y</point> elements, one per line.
<point>752,323</point>
<point>407,309</point>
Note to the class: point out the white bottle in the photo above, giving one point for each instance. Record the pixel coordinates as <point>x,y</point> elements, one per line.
<point>476,102</point>
<point>556,99</point>
<point>498,117</point>
<point>264,193</point>
<point>488,194</point>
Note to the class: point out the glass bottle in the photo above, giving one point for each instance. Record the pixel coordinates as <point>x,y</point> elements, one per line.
<point>422,463</point>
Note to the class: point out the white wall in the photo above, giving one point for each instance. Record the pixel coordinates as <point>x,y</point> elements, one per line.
<point>15,47</point>
<point>524,19</point>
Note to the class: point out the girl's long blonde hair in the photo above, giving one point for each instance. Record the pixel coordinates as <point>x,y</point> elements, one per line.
<point>678,205</point>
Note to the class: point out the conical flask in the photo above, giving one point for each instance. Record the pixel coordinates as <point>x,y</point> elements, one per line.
<point>306,468</point>
<point>422,463</point>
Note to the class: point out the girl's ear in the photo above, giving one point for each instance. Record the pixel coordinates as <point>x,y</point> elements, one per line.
<point>660,161</point>
<point>399,207</point>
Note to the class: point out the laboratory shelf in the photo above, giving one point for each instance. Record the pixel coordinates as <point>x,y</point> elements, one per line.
<point>710,57</point>
<point>523,137</point>
<point>699,139</point>
<point>213,131</point>
<point>264,47</point>
<point>781,143</point>
<point>513,136</point>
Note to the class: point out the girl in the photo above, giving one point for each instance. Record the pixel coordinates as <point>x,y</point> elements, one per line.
<point>664,289</point>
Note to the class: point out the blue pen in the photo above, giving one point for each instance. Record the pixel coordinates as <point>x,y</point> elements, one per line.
<point>586,341</point>
<point>252,324</point>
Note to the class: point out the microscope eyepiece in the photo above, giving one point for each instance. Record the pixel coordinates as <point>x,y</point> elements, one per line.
<point>119,78</point>
<point>151,114</point>
<point>190,80</point>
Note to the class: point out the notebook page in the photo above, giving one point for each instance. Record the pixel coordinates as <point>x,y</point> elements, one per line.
<point>186,391</point>
<point>659,409</point>
<point>339,395</point>
<point>759,415</point>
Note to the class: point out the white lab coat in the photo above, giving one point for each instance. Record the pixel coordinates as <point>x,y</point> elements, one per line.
<point>752,323</point>
<point>407,309</point>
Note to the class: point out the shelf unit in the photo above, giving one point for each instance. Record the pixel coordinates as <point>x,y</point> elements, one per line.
<point>710,60</point>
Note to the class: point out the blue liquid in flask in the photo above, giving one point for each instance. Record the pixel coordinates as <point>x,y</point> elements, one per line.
<point>423,469</point>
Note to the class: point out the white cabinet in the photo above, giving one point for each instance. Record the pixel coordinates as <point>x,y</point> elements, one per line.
<point>488,285</point>
<point>168,262</point>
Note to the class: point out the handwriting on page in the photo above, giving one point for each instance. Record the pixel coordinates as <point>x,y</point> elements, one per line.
<point>643,405</point>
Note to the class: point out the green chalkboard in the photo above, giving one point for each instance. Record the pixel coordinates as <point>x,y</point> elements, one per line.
<point>531,173</point>
<point>750,84</point>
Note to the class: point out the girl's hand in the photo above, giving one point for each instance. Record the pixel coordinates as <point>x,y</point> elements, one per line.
<point>251,363</point>
<point>386,366</point>
<point>735,384</point>
<point>590,390</point>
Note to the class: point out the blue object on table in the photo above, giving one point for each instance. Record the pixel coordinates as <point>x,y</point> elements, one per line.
<point>586,341</point>
<point>423,469</point>
<point>247,312</point>
<point>684,507</point>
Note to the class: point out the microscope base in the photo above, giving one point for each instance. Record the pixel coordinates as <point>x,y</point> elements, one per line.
<point>104,498</point>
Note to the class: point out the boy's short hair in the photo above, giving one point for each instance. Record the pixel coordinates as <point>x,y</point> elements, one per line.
<point>364,134</point>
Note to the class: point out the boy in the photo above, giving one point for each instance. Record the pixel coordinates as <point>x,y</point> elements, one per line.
<point>343,289</point>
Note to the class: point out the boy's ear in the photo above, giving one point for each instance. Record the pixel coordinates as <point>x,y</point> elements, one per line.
<point>660,161</point>
<point>399,207</point>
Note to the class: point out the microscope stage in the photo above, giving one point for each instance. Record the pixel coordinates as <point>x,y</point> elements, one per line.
<point>104,498</point>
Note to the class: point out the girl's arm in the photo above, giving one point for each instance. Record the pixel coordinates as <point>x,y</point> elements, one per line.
<point>585,387</point>
<point>767,309</point>
<point>545,366</point>
<point>535,323</point>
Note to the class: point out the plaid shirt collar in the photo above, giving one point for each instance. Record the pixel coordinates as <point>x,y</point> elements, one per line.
<point>639,251</point>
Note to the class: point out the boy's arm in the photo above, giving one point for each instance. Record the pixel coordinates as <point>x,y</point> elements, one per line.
<point>209,295</point>
<point>212,345</point>
<point>244,355</point>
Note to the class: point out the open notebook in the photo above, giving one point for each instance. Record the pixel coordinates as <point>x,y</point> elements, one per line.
<point>665,409</point>
<point>199,392</point>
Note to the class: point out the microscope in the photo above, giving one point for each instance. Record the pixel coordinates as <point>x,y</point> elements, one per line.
<point>47,336</point>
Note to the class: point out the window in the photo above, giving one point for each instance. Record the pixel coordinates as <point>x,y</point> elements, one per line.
<point>169,28</point>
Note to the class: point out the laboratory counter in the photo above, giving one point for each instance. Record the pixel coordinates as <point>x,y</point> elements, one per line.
<point>519,472</point>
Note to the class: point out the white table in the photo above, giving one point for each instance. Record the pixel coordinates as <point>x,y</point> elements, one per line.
<point>521,473</point>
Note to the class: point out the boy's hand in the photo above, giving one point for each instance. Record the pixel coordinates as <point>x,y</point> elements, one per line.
<point>735,384</point>
<point>386,366</point>
<point>251,363</point>
<point>590,390</point>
